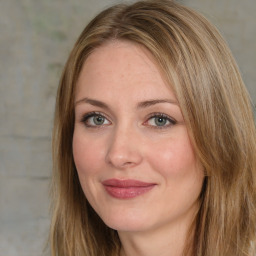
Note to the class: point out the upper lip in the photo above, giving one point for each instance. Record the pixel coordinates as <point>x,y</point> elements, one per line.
<point>126,183</point>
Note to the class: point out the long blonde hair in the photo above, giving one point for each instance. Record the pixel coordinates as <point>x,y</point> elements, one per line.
<point>216,107</point>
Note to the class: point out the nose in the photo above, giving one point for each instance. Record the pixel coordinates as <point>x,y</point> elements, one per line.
<point>124,149</point>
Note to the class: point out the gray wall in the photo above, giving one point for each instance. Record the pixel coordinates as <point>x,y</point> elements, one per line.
<point>36,37</point>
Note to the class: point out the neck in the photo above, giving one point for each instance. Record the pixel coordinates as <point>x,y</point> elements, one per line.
<point>167,241</point>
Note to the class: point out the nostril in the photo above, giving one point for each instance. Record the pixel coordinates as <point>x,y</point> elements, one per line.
<point>123,150</point>
<point>127,163</point>
<point>123,159</point>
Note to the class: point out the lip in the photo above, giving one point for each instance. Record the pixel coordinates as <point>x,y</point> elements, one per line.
<point>126,189</point>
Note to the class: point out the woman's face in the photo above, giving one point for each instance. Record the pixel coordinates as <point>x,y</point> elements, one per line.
<point>131,147</point>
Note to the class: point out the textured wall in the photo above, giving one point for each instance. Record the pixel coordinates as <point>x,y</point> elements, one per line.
<point>36,37</point>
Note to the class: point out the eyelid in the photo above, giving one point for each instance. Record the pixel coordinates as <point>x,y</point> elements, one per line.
<point>86,116</point>
<point>159,114</point>
<point>170,119</point>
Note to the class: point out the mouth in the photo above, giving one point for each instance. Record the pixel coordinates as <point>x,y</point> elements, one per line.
<point>126,189</point>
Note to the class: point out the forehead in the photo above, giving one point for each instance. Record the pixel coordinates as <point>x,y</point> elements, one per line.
<point>117,57</point>
<point>122,67</point>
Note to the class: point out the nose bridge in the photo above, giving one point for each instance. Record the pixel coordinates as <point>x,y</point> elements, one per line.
<point>124,150</point>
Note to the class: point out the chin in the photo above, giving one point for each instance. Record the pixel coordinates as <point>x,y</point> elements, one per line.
<point>126,222</point>
<point>127,226</point>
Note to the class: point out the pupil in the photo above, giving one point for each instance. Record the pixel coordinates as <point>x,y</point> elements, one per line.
<point>160,121</point>
<point>98,120</point>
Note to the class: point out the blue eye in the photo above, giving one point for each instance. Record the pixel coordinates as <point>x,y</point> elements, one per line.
<point>160,121</point>
<point>98,120</point>
<point>94,120</point>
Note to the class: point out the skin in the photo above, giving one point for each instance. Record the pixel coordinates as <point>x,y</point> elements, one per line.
<point>131,143</point>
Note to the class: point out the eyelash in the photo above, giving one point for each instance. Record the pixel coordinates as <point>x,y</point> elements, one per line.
<point>161,115</point>
<point>87,116</point>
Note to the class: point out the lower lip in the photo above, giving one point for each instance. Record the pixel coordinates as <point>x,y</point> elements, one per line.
<point>127,192</point>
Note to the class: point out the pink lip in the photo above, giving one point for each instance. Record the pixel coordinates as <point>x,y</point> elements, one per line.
<point>125,189</point>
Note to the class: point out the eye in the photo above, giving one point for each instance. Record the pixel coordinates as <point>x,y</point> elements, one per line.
<point>160,121</point>
<point>95,120</point>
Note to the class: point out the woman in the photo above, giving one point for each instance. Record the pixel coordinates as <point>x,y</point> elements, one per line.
<point>154,140</point>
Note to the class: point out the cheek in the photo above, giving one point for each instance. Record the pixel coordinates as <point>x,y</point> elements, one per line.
<point>175,158</point>
<point>182,174</point>
<point>87,154</point>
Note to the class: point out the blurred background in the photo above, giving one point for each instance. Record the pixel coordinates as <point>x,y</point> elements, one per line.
<point>35,40</point>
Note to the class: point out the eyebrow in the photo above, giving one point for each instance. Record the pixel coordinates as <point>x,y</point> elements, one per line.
<point>93,102</point>
<point>143,104</point>
<point>148,103</point>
